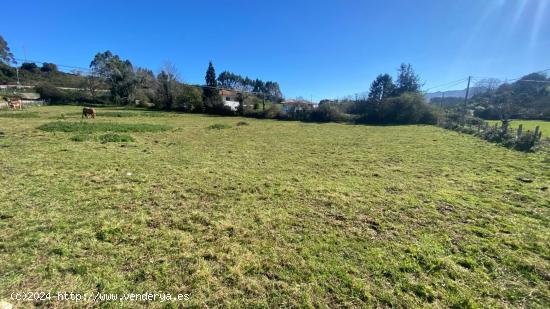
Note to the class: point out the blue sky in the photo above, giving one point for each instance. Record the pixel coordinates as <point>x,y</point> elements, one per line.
<point>319,49</point>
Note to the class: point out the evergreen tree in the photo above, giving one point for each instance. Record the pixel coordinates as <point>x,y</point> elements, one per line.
<point>381,88</point>
<point>211,76</point>
<point>212,99</point>
<point>407,80</point>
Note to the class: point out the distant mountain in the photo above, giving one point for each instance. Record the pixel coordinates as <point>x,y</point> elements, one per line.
<point>453,93</point>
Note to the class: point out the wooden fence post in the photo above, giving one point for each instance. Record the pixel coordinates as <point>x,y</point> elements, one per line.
<point>537,131</point>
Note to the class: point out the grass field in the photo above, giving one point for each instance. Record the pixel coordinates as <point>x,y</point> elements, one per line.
<point>529,125</point>
<point>269,214</point>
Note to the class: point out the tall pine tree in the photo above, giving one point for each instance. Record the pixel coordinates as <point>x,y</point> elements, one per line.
<point>212,99</point>
<point>407,80</point>
<point>211,76</point>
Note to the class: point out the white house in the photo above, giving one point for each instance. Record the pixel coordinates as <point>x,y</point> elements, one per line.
<point>230,99</point>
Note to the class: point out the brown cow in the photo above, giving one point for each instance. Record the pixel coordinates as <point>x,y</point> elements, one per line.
<point>15,104</point>
<point>88,111</point>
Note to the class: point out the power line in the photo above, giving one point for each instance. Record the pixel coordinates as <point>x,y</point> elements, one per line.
<point>59,65</point>
<point>513,79</point>
<point>449,84</point>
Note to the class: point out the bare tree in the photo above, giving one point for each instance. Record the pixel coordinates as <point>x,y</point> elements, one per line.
<point>91,83</point>
<point>487,85</point>
<point>171,71</point>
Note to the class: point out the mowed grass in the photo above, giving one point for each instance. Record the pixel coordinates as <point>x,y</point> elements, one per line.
<point>273,214</point>
<point>528,125</point>
<point>90,126</point>
<point>18,114</point>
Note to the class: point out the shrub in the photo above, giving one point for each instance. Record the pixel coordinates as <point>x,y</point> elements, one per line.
<point>526,141</point>
<point>188,99</point>
<point>275,112</point>
<point>105,138</point>
<point>115,138</point>
<point>55,95</point>
<point>327,113</point>
<point>49,92</point>
<point>503,135</point>
<point>408,108</point>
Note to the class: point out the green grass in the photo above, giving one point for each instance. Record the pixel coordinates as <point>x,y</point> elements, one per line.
<point>90,126</point>
<point>274,214</point>
<point>105,138</point>
<point>529,125</point>
<point>18,114</point>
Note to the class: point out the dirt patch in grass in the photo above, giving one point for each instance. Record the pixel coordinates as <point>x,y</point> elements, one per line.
<point>91,127</point>
<point>219,126</point>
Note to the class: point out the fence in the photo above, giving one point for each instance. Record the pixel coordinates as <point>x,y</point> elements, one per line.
<point>518,139</point>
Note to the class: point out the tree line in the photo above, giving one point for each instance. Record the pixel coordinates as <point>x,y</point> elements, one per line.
<point>114,80</point>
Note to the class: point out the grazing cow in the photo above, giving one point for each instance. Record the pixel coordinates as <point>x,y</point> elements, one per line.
<point>88,111</point>
<point>15,104</point>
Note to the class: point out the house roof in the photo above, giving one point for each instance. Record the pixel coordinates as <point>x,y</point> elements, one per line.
<point>296,102</point>
<point>225,92</point>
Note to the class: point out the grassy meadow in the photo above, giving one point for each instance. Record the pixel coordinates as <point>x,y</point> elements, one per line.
<point>268,213</point>
<point>528,125</point>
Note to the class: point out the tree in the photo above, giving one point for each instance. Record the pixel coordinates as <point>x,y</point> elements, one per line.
<point>5,54</point>
<point>146,85</point>
<point>381,88</point>
<point>212,99</point>
<point>259,86</point>
<point>91,83</point>
<point>211,76</point>
<point>273,91</point>
<point>29,66</point>
<point>145,78</point>
<point>407,80</point>
<point>188,99</point>
<point>48,67</point>
<point>486,85</point>
<point>119,75</point>
<point>167,86</point>
<point>407,108</point>
<point>230,80</point>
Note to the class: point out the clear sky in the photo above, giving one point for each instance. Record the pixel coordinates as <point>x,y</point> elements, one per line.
<point>321,48</point>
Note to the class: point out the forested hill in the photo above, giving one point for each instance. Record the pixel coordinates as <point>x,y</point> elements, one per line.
<point>31,74</point>
<point>526,98</point>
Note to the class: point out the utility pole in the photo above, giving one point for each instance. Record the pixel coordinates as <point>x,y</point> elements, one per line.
<point>466,98</point>
<point>17,71</point>
<point>467,91</point>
